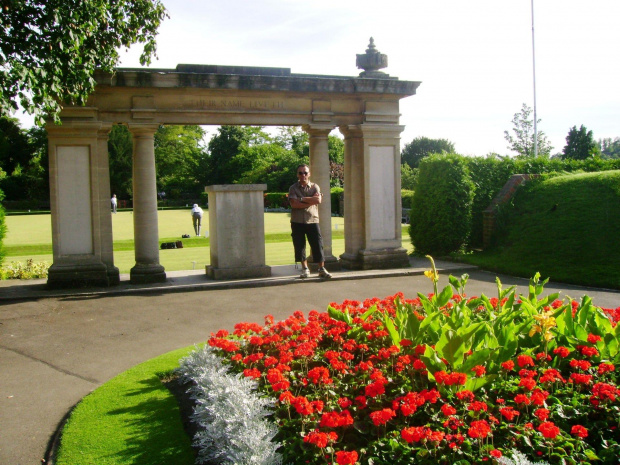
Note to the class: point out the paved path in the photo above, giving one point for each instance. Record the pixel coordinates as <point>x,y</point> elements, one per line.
<point>57,347</point>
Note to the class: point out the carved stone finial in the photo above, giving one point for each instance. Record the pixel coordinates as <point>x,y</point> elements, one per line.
<point>372,61</point>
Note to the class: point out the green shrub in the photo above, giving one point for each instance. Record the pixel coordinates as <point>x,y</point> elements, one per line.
<point>407,197</point>
<point>276,200</point>
<point>335,194</point>
<point>442,205</point>
<point>2,229</point>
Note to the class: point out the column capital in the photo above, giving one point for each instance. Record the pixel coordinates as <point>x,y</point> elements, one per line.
<point>318,130</point>
<point>78,129</point>
<point>140,129</point>
<point>372,130</point>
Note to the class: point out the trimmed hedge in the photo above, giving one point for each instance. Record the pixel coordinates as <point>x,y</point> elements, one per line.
<point>335,194</point>
<point>490,174</point>
<point>407,198</point>
<point>2,229</point>
<point>441,206</point>
<point>276,200</point>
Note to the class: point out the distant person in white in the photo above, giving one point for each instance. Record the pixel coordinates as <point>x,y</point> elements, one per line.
<point>114,203</point>
<point>197,218</point>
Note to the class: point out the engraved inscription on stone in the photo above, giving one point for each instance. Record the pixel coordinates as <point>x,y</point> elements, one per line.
<point>239,104</point>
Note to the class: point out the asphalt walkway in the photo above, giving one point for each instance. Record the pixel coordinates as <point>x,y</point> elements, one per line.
<point>57,346</point>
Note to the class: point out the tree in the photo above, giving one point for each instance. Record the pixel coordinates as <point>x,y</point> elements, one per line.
<point>610,148</point>
<point>421,147</point>
<point>14,150</point>
<point>179,158</point>
<point>580,144</point>
<point>120,154</point>
<point>407,177</point>
<point>523,140</point>
<point>49,49</point>
<point>224,146</point>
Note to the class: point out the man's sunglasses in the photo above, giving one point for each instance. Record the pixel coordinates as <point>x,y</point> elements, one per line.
<point>302,172</point>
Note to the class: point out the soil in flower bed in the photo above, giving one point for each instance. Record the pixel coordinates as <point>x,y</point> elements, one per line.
<point>186,404</point>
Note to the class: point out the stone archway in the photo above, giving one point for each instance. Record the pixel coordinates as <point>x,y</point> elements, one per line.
<point>365,109</point>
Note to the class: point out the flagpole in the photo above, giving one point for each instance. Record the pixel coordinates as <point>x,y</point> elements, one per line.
<point>534,76</point>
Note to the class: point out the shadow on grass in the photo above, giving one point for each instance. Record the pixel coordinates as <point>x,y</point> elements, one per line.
<point>155,434</point>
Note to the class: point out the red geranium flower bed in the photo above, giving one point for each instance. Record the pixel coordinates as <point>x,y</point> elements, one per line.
<point>439,379</point>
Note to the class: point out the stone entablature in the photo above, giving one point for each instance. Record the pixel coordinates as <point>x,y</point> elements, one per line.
<point>365,109</point>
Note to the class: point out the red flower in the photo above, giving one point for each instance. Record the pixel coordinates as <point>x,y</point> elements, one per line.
<point>320,439</point>
<point>525,360</point>
<point>542,414</point>
<point>465,395</point>
<point>509,413</point>
<point>346,458</point>
<point>579,431</point>
<point>579,378</point>
<point>548,429</point>
<point>508,366</point>
<point>448,410</point>
<point>413,433</point>
<point>381,417</point>
<point>587,351</point>
<point>522,399</point>
<point>496,453</point>
<point>344,402</point>
<point>561,352</point>
<point>336,419</point>
<point>361,402</point>
<point>605,368</point>
<point>581,364</point>
<point>477,406</point>
<point>320,375</point>
<point>478,429</point>
<point>527,383</point>
<point>479,370</point>
<point>593,338</point>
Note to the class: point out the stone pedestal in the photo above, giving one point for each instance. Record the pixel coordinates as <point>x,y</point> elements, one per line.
<point>237,231</point>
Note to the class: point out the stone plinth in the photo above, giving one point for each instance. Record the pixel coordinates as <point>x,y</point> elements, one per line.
<point>237,231</point>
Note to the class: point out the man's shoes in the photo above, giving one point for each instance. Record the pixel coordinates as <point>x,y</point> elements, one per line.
<point>305,273</point>
<point>323,273</point>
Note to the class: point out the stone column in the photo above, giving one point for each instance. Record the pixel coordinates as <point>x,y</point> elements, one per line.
<point>373,211</point>
<point>80,203</point>
<point>145,228</point>
<point>104,219</point>
<point>319,169</point>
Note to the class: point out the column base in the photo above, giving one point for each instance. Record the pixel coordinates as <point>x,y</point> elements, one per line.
<point>376,259</point>
<point>260,271</point>
<point>146,274</point>
<point>331,264</point>
<point>84,275</point>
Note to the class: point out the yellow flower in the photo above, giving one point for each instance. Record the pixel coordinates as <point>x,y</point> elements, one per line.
<point>432,275</point>
<point>545,323</point>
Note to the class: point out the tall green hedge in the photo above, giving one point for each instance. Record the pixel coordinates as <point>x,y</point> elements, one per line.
<point>442,205</point>
<point>490,174</point>
<point>2,229</point>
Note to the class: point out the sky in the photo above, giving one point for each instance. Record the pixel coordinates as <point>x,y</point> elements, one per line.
<point>474,58</point>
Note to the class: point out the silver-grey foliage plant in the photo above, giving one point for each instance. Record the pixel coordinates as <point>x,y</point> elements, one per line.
<point>518,459</point>
<point>233,428</point>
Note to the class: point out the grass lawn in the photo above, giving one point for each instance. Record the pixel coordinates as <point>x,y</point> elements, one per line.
<point>132,419</point>
<point>30,236</point>
<point>566,228</point>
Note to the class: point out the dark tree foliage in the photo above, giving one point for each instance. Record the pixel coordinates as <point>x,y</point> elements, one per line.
<point>421,147</point>
<point>49,49</point>
<point>580,144</point>
<point>610,148</point>
<point>120,153</point>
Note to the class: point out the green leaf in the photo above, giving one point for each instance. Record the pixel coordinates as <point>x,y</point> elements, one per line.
<point>391,329</point>
<point>444,296</point>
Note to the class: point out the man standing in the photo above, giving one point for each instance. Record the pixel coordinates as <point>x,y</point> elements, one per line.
<point>114,203</point>
<point>305,197</point>
<point>197,218</point>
